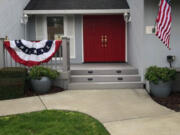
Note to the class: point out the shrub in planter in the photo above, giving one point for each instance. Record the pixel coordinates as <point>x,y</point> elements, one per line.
<point>160,80</point>
<point>12,82</point>
<point>41,78</point>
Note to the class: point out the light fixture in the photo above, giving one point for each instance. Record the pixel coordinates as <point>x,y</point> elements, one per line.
<point>171,59</point>
<point>127,17</point>
<point>24,19</point>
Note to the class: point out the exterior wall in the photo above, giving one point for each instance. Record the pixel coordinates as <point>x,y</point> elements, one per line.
<point>135,35</point>
<point>155,52</point>
<point>145,50</point>
<point>11,12</point>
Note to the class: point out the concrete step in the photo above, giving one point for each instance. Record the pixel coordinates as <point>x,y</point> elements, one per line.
<point>105,78</point>
<point>132,71</point>
<point>105,85</point>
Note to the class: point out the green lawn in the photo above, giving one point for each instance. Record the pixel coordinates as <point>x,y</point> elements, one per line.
<point>51,123</point>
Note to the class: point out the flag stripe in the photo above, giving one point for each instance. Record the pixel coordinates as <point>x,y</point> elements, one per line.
<point>167,30</point>
<point>163,22</point>
<point>163,19</point>
<point>159,17</point>
<point>161,14</point>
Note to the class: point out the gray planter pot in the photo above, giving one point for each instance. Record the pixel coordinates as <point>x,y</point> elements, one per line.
<point>41,86</point>
<point>162,89</point>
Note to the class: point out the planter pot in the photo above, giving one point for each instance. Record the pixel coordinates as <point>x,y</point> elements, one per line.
<point>161,90</point>
<point>41,86</point>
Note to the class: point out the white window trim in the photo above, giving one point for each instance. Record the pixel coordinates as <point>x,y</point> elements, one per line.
<point>65,31</point>
<point>45,36</point>
<point>65,24</point>
<point>46,29</point>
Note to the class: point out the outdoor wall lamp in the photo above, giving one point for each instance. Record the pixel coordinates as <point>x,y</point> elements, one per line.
<point>127,17</point>
<point>24,19</point>
<point>171,59</point>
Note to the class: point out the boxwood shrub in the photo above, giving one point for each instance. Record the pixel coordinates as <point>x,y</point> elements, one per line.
<point>155,74</point>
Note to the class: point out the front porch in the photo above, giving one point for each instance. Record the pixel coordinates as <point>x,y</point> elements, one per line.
<point>84,76</point>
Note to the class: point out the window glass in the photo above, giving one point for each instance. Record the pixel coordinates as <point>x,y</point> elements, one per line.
<point>55,27</point>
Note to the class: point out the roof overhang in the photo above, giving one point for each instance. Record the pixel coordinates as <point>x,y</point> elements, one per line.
<point>66,12</point>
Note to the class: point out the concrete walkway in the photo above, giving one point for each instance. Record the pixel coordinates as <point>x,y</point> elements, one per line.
<point>123,112</point>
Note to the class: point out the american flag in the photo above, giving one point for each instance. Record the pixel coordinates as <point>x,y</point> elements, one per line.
<point>163,22</point>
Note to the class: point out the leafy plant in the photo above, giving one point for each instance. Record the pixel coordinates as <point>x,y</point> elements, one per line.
<point>38,71</point>
<point>155,74</point>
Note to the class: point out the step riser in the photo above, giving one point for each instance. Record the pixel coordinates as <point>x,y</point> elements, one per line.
<point>106,79</point>
<point>105,72</point>
<point>105,86</point>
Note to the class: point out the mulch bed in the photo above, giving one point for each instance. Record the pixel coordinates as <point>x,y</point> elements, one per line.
<point>171,102</point>
<point>29,92</point>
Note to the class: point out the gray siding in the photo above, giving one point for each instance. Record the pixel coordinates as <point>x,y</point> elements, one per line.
<point>11,12</point>
<point>154,51</point>
<point>145,50</point>
<point>135,34</point>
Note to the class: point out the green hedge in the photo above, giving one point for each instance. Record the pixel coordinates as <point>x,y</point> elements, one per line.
<point>13,72</point>
<point>12,82</point>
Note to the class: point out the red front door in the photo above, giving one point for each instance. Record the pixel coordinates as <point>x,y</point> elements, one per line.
<point>104,38</point>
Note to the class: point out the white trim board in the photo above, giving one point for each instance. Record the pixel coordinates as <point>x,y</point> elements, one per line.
<point>126,42</point>
<point>64,12</point>
<point>82,30</point>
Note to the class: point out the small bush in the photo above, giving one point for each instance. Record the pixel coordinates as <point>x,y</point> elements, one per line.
<point>12,82</point>
<point>155,74</point>
<point>38,71</point>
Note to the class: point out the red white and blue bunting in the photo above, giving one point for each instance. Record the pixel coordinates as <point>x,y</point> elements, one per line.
<point>32,53</point>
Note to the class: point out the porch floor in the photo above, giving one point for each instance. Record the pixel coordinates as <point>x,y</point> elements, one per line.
<point>98,66</point>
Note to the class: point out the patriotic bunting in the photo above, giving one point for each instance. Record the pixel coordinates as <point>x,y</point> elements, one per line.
<point>32,53</point>
<point>163,22</point>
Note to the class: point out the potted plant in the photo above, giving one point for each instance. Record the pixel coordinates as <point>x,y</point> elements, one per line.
<point>160,80</point>
<point>41,78</point>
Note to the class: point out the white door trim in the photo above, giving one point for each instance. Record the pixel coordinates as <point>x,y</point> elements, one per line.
<point>126,42</point>
<point>82,28</point>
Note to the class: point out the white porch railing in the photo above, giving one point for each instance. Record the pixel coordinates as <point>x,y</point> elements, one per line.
<point>60,62</point>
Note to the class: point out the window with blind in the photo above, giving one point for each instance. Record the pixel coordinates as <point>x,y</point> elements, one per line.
<point>55,30</point>
<point>55,27</point>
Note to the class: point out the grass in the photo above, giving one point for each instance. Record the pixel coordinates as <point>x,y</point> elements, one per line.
<point>51,123</point>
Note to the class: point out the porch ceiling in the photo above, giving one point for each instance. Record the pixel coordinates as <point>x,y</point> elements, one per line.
<point>76,6</point>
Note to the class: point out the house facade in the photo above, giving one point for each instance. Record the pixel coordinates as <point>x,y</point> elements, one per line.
<point>100,31</point>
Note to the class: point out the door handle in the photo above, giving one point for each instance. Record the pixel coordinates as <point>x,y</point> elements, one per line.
<point>102,41</point>
<point>105,41</point>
